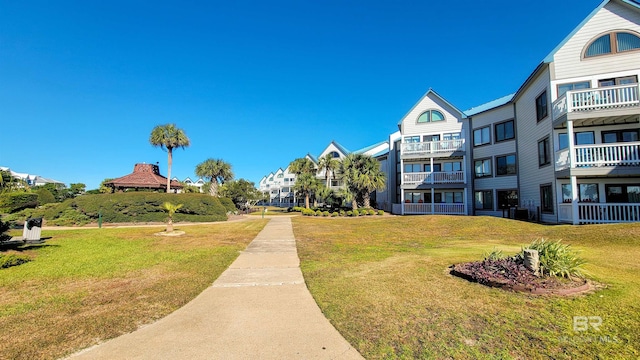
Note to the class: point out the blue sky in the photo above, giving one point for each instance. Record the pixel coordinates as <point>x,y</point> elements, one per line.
<point>255,83</point>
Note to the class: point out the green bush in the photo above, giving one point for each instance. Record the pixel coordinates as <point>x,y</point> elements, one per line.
<point>318,213</point>
<point>134,207</point>
<point>9,260</point>
<point>298,209</point>
<point>342,212</point>
<point>349,213</point>
<point>495,254</point>
<point>44,196</point>
<point>380,212</point>
<point>308,212</point>
<point>16,201</point>
<point>325,213</point>
<point>71,217</point>
<point>334,214</point>
<point>4,228</point>
<point>371,212</point>
<point>556,259</point>
<point>228,205</point>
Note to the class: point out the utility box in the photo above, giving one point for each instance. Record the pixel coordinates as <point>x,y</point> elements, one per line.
<point>32,229</point>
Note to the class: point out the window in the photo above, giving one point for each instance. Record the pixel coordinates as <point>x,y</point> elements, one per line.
<point>623,193</point>
<point>482,168</point>
<point>544,152</point>
<point>431,116</point>
<point>334,154</point>
<point>618,81</point>
<point>412,197</point>
<point>484,200</point>
<point>627,135</point>
<point>428,138</point>
<point>455,197</point>
<point>563,88</point>
<point>542,110</point>
<point>481,136</point>
<point>436,168</point>
<point>580,138</point>
<point>546,198</point>
<point>452,166</point>
<point>586,193</point>
<point>504,131</point>
<point>285,189</point>
<point>412,139</point>
<point>612,43</point>
<point>409,168</point>
<point>506,165</point>
<point>280,176</point>
<point>451,136</point>
<point>507,198</point>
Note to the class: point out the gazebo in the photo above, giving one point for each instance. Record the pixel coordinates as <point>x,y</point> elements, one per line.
<point>144,176</point>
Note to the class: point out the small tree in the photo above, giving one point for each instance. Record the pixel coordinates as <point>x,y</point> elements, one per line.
<point>4,228</point>
<point>242,192</point>
<point>171,210</point>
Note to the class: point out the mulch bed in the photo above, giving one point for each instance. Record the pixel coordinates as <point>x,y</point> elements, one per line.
<point>510,275</point>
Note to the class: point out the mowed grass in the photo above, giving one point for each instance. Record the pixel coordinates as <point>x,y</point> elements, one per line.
<point>85,286</point>
<point>384,284</point>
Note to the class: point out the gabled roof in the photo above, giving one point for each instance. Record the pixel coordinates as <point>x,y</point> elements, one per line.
<point>312,158</point>
<point>549,57</point>
<point>340,147</point>
<point>488,106</point>
<point>381,153</point>
<point>431,91</point>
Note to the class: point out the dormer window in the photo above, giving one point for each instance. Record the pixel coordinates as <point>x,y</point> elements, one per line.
<point>612,43</point>
<point>430,116</point>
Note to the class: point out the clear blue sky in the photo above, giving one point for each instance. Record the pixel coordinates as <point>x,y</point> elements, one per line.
<point>256,83</point>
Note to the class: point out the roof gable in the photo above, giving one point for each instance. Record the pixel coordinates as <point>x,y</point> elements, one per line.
<point>434,95</point>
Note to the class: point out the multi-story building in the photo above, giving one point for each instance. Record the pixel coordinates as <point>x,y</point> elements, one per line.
<point>565,146</point>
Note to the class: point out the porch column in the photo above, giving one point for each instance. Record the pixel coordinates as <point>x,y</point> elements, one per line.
<point>401,182</point>
<point>464,201</point>
<point>574,181</point>
<point>574,200</point>
<point>433,196</point>
<point>571,139</point>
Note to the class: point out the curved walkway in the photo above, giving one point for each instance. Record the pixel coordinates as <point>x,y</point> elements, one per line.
<point>259,308</point>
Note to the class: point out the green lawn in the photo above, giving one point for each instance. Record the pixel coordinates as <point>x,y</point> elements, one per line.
<point>384,283</point>
<point>88,285</point>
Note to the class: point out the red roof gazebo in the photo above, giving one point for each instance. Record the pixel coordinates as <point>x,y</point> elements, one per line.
<point>144,176</point>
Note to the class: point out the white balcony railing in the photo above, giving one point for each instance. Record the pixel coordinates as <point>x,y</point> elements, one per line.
<point>432,147</point>
<point>616,154</point>
<point>609,97</point>
<point>441,177</point>
<point>600,213</point>
<point>434,209</point>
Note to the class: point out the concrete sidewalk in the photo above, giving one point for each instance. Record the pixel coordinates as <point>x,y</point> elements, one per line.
<point>259,308</point>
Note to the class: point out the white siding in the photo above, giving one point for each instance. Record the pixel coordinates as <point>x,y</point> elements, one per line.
<point>453,123</point>
<point>614,16</point>
<point>529,133</point>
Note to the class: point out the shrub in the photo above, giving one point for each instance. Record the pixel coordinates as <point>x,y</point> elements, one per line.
<point>298,209</point>
<point>325,213</point>
<point>495,254</point>
<point>308,212</point>
<point>342,212</point>
<point>334,214</point>
<point>318,213</point>
<point>71,217</point>
<point>349,213</point>
<point>45,196</point>
<point>364,212</point>
<point>556,259</point>
<point>10,260</point>
<point>228,204</point>
<point>4,228</point>
<point>380,212</point>
<point>16,201</point>
<point>372,212</point>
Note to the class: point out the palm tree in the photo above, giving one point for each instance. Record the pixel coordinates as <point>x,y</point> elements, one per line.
<point>371,178</point>
<point>302,166</point>
<point>217,171</point>
<point>169,137</point>
<point>171,209</point>
<point>305,185</point>
<point>329,164</point>
<point>362,175</point>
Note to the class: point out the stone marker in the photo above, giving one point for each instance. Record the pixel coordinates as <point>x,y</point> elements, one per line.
<point>532,260</point>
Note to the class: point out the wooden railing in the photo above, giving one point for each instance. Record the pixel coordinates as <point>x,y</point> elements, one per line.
<point>440,177</point>
<point>600,213</point>
<point>618,154</point>
<point>436,209</point>
<point>432,147</point>
<point>609,97</point>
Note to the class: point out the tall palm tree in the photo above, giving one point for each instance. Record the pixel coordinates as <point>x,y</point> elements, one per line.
<point>217,171</point>
<point>169,137</point>
<point>329,164</point>
<point>302,166</point>
<point>350,172</point>
<point>305,185</point>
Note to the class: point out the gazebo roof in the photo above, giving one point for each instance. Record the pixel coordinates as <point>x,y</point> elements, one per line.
<point>144,176</point>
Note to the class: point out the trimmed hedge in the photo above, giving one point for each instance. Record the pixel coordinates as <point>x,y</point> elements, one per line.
<point>16,201</point>
<point>44,196</point>
<point>228,204</point>
<point>134,207</point>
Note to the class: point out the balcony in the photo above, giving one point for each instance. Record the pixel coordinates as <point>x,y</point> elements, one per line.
<point>434,209</point>
<point>442,148</point>
<point>609,101</point>
<point>600,155</point>
<point>444,177</point>
<point>600,213</point>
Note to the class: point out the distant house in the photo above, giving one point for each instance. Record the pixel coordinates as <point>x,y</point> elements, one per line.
<point>198,183</point>
<point>144,176</point>
<point>30,179</point>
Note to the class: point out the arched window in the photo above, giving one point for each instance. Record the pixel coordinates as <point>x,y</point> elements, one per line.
<point>431,116</point>
<point>334,154</point>
<point>612,43</point>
